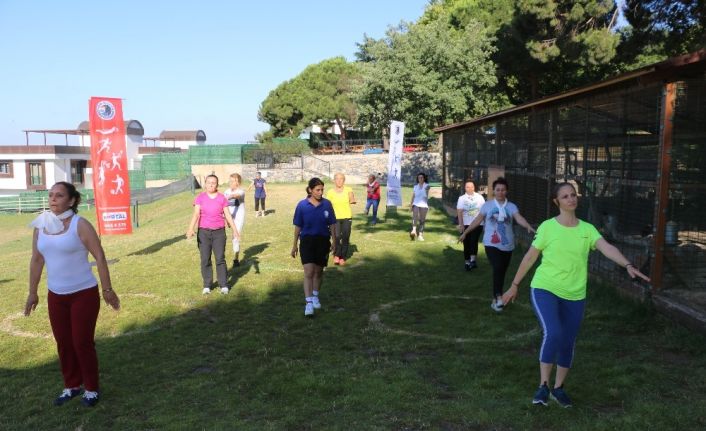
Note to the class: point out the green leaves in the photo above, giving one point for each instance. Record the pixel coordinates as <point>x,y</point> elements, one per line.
<point>321,94</point>
<point>426,75</point>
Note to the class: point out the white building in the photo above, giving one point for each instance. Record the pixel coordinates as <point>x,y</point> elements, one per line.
<point>37,167</point>
<point>182,139</point>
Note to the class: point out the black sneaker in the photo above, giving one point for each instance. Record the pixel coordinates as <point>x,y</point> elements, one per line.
<point>90,399</point>
<point>66,396</point>
<point>541,396</point>
<point>473,264</point>
<point>467,265</point>
<point>560,397</point>
<point>236,262</point>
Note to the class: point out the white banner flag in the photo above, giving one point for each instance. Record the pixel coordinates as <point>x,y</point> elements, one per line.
<point>394,164</point>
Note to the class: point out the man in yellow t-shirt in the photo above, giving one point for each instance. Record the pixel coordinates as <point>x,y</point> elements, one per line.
<point>341,197</point>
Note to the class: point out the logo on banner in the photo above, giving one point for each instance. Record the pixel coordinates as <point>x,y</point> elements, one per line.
<point>114,216</point>
<point>105,110</point>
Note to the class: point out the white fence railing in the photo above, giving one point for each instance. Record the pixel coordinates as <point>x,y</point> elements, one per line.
<point>28,204</point>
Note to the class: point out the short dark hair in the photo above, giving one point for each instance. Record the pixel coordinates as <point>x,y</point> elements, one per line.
<point>313,183</point>
<point>501,180</point>
<point>73,193</point>
<point>470,180</point>
<point>422,174</point>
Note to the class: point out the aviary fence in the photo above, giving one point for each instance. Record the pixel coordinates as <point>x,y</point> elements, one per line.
<point>636,150</point>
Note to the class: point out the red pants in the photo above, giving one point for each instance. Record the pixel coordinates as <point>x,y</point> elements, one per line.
<point>73,321</point>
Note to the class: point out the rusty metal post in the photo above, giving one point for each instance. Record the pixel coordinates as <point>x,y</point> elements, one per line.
<point>669,96</point>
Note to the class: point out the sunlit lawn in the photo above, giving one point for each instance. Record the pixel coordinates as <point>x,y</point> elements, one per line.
<point>406,340</point>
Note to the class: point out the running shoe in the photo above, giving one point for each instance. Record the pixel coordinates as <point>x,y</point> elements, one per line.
<point>206,291</point>
<point>90,399</point>
<point>473,264</point>
<point>497,305</point>
<point>224,290</point>
<point>420,237</point>
<point>309,309</point>
<point>467,265</point>
<point>315,302</point>
<point>541,396</point>
<point>66,396</point>
<point>560,397</point>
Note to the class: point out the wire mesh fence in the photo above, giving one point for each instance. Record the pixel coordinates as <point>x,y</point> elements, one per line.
<point>607,143</point>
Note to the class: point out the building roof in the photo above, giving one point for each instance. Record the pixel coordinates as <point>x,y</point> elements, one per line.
<point>657,71</point>
<point>132,127</point>
<point>182,135</point>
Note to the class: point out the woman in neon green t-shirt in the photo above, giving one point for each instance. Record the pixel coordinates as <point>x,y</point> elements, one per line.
<point>341,197</point>
<point>558,288</point>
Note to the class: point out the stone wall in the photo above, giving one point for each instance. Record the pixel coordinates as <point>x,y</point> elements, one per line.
<point>356,167</point>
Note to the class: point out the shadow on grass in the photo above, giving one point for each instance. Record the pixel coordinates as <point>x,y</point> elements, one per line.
<point>6,280</point>
<point>248,361</point>
<point>249,261</point>
<point>154,248</point>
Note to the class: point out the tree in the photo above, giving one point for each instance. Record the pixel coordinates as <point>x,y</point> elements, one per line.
<point>660,29</point>
<point>425,75</point>
<point>319,95</point>
<point>551,46</point>
<point>459,13</point>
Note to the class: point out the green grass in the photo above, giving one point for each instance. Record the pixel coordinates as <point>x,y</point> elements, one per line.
<point>439,358</point>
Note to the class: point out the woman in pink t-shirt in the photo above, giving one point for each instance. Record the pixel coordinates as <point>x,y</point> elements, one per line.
<point>210,216</point>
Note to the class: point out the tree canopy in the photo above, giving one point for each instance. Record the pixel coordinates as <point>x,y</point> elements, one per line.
<point>426,75</point>
<point>464,58</point>
<point>318,95</point>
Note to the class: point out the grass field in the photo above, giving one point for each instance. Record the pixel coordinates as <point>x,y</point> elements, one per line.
<point>406,340</point>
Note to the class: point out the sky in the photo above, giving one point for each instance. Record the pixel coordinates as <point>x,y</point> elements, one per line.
<point>177,65</point>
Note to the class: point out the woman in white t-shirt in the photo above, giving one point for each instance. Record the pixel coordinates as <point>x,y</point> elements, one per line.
<point>62,241</point>
<point>498,236</point>
<point>236,205</point>
<point>467,208</point>
<point>420,206</point>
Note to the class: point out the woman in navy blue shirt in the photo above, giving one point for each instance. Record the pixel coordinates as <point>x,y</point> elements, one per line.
<point>314,225</point>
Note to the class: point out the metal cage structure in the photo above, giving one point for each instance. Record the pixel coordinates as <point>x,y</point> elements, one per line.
<point>635,148</point>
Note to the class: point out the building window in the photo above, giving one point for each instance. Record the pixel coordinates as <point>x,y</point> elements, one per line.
<point>36,174</point>
<point>78,168</point>
<point>6,169</point>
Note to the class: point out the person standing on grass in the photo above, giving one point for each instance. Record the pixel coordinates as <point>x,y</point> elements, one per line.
<point>341,197</point>
<point>260,194</point>
<point>210,216</point>
<point>62,240</point>
<point>236,206</point>
<point>558,288</point>
<point>373,198</point>
<point>467,208</point>
<point>314,225</point>
<point>420,206</point>
<point>498,236</point>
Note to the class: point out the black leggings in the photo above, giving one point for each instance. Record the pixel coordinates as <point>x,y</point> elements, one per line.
<point>212,241</point>
<point>500,261</point>
<point>343,238</point>
<point>470,242</point>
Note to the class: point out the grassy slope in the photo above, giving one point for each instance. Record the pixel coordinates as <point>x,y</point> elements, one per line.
<point>172,359</point>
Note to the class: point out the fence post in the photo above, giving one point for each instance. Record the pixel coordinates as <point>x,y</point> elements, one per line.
<point>136,214</point>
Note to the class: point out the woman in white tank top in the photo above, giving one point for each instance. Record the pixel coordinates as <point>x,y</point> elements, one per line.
<point>62,241</point>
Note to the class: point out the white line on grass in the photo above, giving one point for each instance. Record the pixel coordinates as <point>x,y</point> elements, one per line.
<point>377,323</point>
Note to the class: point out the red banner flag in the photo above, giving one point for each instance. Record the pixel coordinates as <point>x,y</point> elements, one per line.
<point>111,183</point>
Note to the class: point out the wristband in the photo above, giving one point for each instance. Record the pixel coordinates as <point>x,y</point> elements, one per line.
<point>629,264</point>
<point>110,289</point>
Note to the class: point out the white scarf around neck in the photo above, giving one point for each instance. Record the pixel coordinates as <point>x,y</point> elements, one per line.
<point>51,222</point>
<point>502,215</point>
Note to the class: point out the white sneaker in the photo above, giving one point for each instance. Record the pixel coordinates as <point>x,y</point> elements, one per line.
<point>309,309</point>
<point>206,291</point>
<point>420,237</point>
<point>224,290</point>
<point>497,305</point>
<point>315,302</point>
